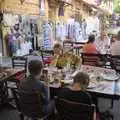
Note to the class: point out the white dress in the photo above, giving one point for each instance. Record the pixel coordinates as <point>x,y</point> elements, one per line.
<point>115,48</point>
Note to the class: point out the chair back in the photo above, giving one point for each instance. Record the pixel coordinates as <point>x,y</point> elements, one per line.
<point>78,47</point>
<point>19,62</point>
<point>115,62</point>
<point>90,59</point>
<point>28,103</point>
<point>46,56</point>
<point>68,45</point>
<point>74,111</point>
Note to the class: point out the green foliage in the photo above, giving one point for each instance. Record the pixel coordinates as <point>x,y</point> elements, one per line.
<point>117,6</point>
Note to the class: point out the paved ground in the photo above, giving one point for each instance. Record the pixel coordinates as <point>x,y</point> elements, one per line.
<point>7,113</point>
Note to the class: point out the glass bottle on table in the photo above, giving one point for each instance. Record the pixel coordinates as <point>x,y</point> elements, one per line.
<point>68,66</point>
<point>45,76</point>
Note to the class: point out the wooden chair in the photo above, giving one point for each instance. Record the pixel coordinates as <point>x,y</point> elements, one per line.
<point>46,56</point>
<point>115,62</point>
<point>78,47</point>
<point>18,62</point>
<point>68,44</point>
<point>90,59</point>
<point>68,110</point>
<point>29,105</point>
<point>96,60</point>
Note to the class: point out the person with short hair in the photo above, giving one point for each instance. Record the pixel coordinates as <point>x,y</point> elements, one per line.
<point>78,91</point>
<point>57,48</point>
<point>103,43</point>
<point>33,84</point>
<point>90,46</point>
<point>58,58</point>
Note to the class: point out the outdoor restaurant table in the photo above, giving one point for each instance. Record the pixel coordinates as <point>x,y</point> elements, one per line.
<point>104,87</point>
<point>117,88</point>
<point>5,75</point>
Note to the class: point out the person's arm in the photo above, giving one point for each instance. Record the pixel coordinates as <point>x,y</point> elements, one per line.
<point>46,93</point>
<point>97,49</point>
<point>112,49</point>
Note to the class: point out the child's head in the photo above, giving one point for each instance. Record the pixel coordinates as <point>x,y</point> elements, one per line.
<point>81,80</point>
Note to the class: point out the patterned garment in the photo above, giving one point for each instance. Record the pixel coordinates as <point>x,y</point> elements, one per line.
<point>66,58</point>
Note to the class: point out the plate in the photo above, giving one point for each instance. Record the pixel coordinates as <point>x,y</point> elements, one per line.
<point>110,77</point>
<point>67,81</point>
<point>74,74</point>
<point>92,85</point>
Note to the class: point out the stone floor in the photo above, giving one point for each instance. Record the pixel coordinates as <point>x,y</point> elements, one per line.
<point>6,113</point>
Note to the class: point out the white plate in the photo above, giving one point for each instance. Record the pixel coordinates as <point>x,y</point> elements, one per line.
<point>67,81</point>
<point>92,85</point>
<point>74,74</point>
<point>110,77</point>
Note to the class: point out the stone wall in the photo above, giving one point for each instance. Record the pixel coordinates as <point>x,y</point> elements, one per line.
<point>20,6</point>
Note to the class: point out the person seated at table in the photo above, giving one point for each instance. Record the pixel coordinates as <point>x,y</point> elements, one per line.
<point>115,47</point>
<point>61,58</point>
<point>90,46</point>
<point>103,43</point>
<point>78,91</point>
<point>33,84</point>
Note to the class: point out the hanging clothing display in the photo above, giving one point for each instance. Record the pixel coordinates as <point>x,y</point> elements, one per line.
<point>42,7</point>
<point>58,31</point>
<point>84,26</point>
<point>19,35</point>
<point>72,30</point>
<point>78,32</point>
<point>48,40</point>
<point>93,24</point>
<point>61,31</point>
<point>24,48</point>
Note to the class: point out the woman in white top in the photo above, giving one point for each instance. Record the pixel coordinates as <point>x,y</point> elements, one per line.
<point>103,44</point>
<point>115,47</point>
